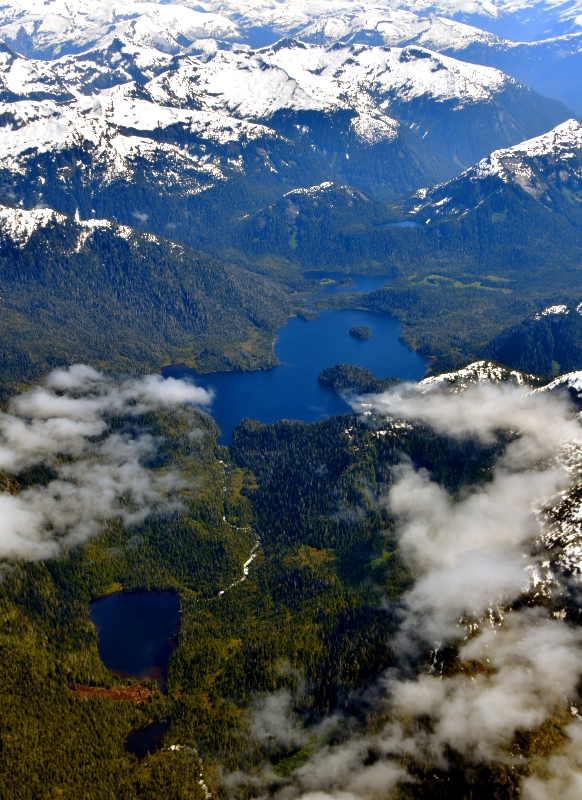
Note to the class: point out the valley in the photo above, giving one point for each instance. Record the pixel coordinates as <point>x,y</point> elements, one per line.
<point>290,391</point>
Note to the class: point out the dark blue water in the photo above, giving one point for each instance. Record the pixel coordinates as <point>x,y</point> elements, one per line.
<point>291,390</point>
<point>142,741</point>
<point>137,632</point>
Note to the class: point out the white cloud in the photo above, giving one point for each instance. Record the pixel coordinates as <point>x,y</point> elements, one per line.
<point>472,557</point>
<point>69,416</point>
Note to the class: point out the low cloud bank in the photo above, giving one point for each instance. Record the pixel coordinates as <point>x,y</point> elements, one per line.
<point>68,416</point>
<point>473,559</point>
<point>273,723</point>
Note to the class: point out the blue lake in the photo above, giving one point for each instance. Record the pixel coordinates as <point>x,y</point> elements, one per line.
<point>406,223</point>
<point>291,390</point>
<point>137,630</point>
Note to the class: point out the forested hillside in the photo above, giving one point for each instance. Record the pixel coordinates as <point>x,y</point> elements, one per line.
<point>277,665</point>
<point>382,604</point>
<point>117,297</point>
<point>307,619</point>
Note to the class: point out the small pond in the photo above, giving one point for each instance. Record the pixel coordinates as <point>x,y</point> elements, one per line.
<point>146,740</point>
<point>405,223</point>
<point>137,632</point>
<point>340,282</point>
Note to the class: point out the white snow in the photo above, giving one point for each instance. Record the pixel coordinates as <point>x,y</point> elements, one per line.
<point>571,380</point>
<point>254,85</point>
<point>477,372</point>
<point>19,225</point>
<point>301,16</point>
<point>312,191</point>
<point>561,142</point>
<point>56,25</point>
<point>518,164</point>
<point>551,311</point>
<point>33,128</point>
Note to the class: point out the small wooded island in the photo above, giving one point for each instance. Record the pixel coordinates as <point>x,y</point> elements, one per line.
<point>350,378</point>
<point>361,332</point>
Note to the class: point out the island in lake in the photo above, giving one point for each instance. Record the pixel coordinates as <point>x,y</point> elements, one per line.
<point>351,378</point>
<point>361,332</point>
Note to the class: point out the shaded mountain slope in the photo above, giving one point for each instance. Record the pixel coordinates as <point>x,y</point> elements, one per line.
<point>549,343</point>
<point>115,297</point>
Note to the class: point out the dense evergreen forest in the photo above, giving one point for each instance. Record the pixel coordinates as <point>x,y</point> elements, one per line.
<point>116,297</point>
<point>308,619</point>
<point>148,218</point>
<point>456,283</point>
<point>349,378</point>
<point>547,344</point>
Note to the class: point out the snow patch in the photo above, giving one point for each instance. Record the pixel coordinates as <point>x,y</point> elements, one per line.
<point>18,224</point>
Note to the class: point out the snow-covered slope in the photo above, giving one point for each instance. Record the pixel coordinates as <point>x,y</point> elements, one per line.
<point>293,75</point>
<point>553,66</point>
<point>531,17</point>
<point>563,143</point>
<point>52,28</point>
<point>106,127</point>
<point>542,166</point>
<point>158,104</point>
<point>20,77</point>
<point>573,380</point>
<point>18,225</point>
<point>254,85</point>
<point>478,372</point>
<point>120,110</point>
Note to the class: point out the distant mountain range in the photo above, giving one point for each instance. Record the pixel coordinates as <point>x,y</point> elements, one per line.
<point>55,27</point>
<point>220,133</point>
<point>536,43</point>
<point>193,125</point>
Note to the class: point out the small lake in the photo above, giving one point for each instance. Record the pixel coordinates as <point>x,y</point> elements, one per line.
<point>405,223</point>
<point>305,348</point>
<point>137,632</point>
<point>340,282</point>
<point>146,740</point>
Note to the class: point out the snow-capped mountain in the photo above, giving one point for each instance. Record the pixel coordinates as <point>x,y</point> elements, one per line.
<point>293,75</point>
<point>50,151</point>
<point>56,27</point>
<point>162,116</point>
<point>53,28</point>
<point>478,372</point>
<point>531,18</point>
<point>553,67</point>
<point>127,121</point>
<point>50,29</point>
<point>547,168</point>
